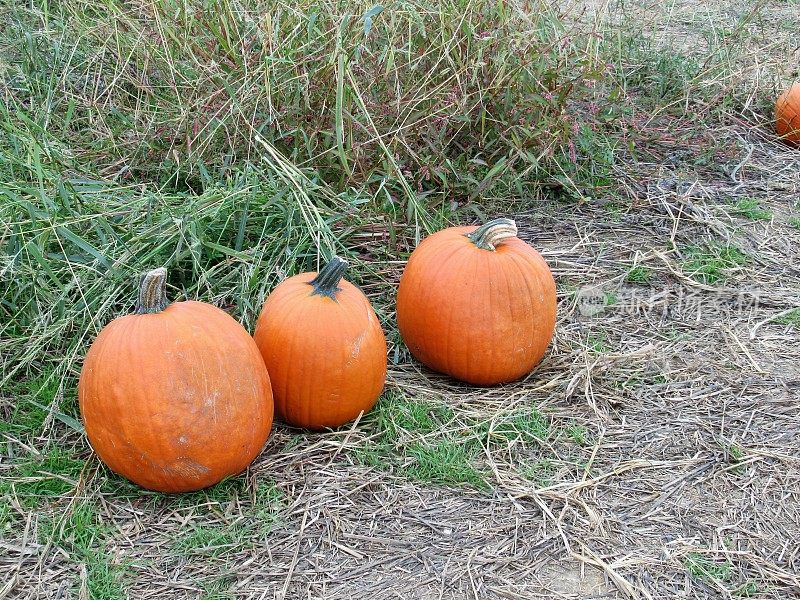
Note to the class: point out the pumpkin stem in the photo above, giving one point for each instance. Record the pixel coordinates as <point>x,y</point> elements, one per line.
<point>152,292</point>
<point>327,280</point>
<point>488,235</point>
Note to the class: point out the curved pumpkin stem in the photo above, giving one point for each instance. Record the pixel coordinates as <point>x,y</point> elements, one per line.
<point>327,280</point>
<point>152,292</point>
<point>490,234</point>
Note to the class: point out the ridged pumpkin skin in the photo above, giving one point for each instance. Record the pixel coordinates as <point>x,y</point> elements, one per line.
<point>176,400</point>
<point>325,352</point>
<point>787,115</point>
<point>481,315</point>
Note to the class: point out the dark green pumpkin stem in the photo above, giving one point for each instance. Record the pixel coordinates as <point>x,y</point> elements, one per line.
<point>327,280</point>
<point>152,292</point>
<point>488,235</point>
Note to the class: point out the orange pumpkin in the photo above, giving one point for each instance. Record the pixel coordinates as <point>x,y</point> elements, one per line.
<point>324,348</point>
<point>787,115</point>
<point>175,397</point>
<point>477,303</point>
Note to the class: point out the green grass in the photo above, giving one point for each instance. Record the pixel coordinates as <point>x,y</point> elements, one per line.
<point>414,440</point>
<point>25,419</point>
<point>189,138</point>
<point>36,479</point>
<point>791,318</point>
<point>539,472</point>
<point>598,342</point>
<point>269,504</point>
<point>398,414</point>
<point>85,540</point>
<point>734,455</point>
<point>701,567</point>
<point>433,443</point>
<point>264,506</point>
<point>261,508</point>
<point>215,497</point>
<point>794,222</point>
<point>219,589</point>
<point>610,298</point>
<point>7,518</point>
<point>747,590</point>
<point>676,79</point>
<point>446,462</point>
<point>578,434</point>
<point>217,244</point>
<point>659,75</point>
<point>527,426</point>
<point>213,540</point>
<point>449,98</point>
<point>25,405</point>
<point>712,263</point>
<point>640,275</point>
<point>615,211</point>
<point>750,209</point>
<point>236,168</point>
<point>430,442</point>
<point>374,454</point>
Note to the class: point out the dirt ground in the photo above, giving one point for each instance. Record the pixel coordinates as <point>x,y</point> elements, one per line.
<point>689,486</point>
